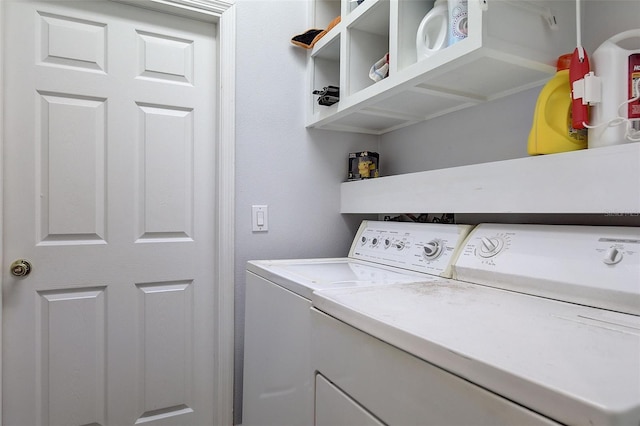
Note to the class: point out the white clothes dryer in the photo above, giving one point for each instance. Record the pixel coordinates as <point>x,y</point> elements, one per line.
<point>278,384</point>
<point>541,325</point>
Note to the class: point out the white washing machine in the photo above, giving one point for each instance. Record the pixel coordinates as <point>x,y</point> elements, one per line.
<point>541,325</point>
<point>278,386</point>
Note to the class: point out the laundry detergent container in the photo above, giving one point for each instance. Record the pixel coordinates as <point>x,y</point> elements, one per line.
<point>433,30</point>
<point>617,63</point>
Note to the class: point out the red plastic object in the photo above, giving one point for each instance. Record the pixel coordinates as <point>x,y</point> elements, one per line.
<point>577,70</point>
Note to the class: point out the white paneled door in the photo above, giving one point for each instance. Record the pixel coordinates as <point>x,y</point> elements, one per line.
<point>109,194</point>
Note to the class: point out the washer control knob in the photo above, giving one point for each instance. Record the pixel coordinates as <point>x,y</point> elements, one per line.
<point>612,257</point>
<point>363,240</point>
<point>387,243</point>
<point>489,247</point>
<point>399,245</point>
<point>432,250</point>
<point>375,241</point>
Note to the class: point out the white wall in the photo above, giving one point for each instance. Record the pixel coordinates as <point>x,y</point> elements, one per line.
<point>496,130</point>
<point>492,131</point>
<point>295,171</point>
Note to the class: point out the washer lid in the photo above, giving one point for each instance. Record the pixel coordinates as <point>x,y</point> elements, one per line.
<point>575,364</point>
<point>303,276</point>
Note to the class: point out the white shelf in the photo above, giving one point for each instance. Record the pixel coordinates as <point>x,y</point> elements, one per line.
<point>598,181</point>
<point>509,48</point>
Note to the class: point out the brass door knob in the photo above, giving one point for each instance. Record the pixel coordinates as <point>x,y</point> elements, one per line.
<point>20,268</point>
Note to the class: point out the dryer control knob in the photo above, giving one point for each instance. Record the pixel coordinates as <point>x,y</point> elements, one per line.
<point>612,257</point>
<point>489,247</point>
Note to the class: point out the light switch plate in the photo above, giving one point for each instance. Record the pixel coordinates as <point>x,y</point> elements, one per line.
<point>260,218</point>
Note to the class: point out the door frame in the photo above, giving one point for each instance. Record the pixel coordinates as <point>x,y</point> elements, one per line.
<point>222,14</point>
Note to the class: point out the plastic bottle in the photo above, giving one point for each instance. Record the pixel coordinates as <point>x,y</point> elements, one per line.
<point>551,131</point>
<point>457,20</point>
<point>433,30</point>
<point>617,63</point>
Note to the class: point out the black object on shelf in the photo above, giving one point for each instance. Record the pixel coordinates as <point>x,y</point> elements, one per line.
<point>329,95</point>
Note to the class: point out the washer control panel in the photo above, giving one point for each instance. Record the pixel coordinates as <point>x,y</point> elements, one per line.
<point>592,265</point>
<point>421,247</point>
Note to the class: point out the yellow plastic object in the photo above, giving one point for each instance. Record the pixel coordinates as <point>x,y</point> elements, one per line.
<point>551,131</point>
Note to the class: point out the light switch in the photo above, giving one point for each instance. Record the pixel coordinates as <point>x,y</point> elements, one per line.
<point>259,218</point>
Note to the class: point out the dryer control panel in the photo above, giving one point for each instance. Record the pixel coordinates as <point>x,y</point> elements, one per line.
<point>421,247</point>
<point>591,265</point>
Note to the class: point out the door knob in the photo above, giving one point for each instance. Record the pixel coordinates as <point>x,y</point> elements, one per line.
<point>20,268</point>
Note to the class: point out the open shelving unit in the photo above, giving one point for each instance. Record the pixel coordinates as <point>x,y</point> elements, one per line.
<point>512,45</point>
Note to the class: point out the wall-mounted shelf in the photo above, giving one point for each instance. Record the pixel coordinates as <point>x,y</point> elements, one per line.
<point>510,47</point>
<point>598,181</point>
